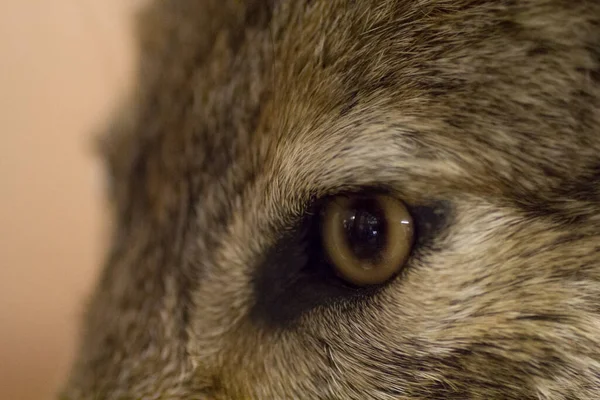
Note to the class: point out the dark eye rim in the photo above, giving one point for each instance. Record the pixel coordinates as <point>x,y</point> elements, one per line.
<point>298,269</point>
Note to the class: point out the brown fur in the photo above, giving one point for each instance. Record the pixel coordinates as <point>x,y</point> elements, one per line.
<point>247,112</point>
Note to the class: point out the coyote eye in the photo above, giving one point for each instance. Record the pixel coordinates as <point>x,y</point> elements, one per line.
<point>367,238</point>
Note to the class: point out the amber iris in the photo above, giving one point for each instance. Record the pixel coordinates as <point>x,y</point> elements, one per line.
<point>367,238</point>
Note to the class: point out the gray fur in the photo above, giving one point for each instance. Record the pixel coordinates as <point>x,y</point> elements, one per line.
<point>244,112</point>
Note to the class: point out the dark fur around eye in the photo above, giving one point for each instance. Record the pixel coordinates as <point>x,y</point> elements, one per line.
<point>295,277</point>
<point>430,221</point>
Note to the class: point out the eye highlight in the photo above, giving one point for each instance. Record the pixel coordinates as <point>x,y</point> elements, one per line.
<point>367,238</point>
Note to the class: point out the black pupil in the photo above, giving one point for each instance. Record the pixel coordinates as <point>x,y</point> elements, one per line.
<point>365,228</point>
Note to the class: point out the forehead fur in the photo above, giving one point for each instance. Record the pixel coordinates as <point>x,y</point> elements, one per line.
<point>247,111</point>
<point>478,90</point>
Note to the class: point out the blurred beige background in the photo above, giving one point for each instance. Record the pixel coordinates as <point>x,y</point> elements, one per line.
<point>62,64</point>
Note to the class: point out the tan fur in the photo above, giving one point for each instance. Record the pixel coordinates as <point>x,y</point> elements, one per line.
<point>247,112</point>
